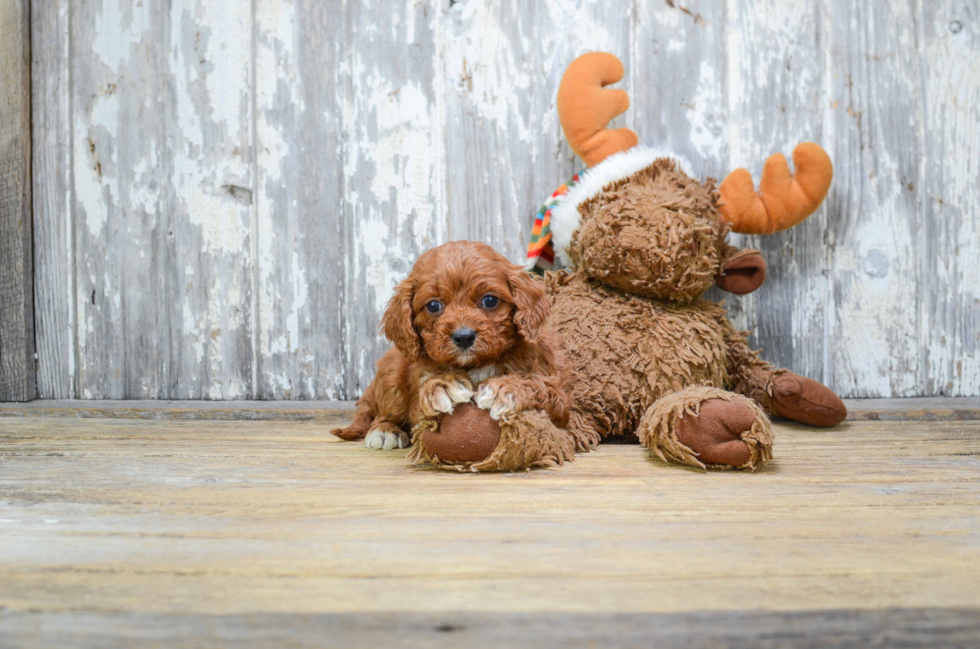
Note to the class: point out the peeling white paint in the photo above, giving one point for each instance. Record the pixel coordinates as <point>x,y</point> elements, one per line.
<point>951,200</point>
<point>94,152</point>
<point>223,223</point>
<point>707,129</point>
<point>300,293</point>
<point>118,29</point>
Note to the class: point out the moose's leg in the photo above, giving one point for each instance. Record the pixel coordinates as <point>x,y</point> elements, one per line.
<point>707,427</point>
<point>804,400</point>
<point>778,391</point>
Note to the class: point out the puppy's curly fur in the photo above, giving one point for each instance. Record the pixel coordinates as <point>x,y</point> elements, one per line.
<point>514,364</point>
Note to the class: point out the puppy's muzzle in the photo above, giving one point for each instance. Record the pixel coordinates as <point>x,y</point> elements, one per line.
<point>464,338</point>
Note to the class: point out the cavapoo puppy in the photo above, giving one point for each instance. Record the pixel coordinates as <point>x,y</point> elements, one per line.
<point>466,325</point>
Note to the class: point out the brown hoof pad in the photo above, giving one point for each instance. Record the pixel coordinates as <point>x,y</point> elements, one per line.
<point>466,435</point>
<point>806,401</point>
<point>716,433</point>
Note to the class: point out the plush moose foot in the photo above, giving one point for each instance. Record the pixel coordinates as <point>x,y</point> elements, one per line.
<point>806,401</point>
<point>468,439</point>
<point>715,433</point>
<point>708,427</point>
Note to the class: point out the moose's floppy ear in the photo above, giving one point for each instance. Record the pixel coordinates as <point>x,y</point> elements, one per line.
<point>397,324</point>
<point>742,272</point>
<point>531,306</point>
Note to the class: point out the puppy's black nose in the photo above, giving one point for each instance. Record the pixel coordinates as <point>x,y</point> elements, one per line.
<point>464,338</point>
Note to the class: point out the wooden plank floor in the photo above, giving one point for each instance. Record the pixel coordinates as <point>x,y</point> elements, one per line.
<point>181,533</point>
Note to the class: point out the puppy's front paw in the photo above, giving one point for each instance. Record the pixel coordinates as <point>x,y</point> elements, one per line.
<point>441,396</point>
<point>498,398</point>
<point>385,439</point>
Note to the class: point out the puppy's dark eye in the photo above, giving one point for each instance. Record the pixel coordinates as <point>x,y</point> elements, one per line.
<point>435,306</point>
<point>489,301</point>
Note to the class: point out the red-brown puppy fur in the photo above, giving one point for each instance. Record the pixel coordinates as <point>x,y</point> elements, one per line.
<point>514,363</point>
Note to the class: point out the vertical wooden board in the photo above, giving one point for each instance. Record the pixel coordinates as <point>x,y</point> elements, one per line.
<point>875,131</point>
<point>123,244</point>
<point>505,149</point>
<point>393,162</point>
<point>210,46</point>
<point>950,279</point>
<point>17,374</point>
<point>162,179</point>
<point>679,82</point>
<point>776,99</point>
<point>54,303</point>
<point>300,233</point>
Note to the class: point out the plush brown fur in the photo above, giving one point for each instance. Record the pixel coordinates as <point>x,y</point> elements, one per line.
<point>655,234</point>
<point>427,373</point>
<point>645,346</point>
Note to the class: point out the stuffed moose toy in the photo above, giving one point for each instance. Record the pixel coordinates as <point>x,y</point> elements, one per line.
<point>641,241</point>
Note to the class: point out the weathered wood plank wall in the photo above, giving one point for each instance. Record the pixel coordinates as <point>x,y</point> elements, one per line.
<point>226,192</point>
<point>17,374</point>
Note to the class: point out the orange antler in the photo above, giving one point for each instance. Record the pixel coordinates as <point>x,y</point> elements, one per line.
<point>585,107</point>
<point>783,200</point>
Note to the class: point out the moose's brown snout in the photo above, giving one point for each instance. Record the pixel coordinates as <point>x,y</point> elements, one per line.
<point>743,272</point>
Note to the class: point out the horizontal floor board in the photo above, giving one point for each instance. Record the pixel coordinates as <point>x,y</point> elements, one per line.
<point>850,629</point>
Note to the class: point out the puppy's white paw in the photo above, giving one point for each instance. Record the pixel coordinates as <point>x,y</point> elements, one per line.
<point>485,397</point>
<point>385,440</point>
<point>442,397</point>
<point>459,393</point>
<point>441,401</point>
<point>499,401</point>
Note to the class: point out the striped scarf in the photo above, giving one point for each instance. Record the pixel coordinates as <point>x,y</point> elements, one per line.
<point>541,250</point>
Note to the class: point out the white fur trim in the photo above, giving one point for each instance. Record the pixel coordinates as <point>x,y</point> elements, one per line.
<point>565,218</point>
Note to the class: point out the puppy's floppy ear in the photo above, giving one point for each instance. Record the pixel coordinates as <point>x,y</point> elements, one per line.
<point>531,306</point>
<point>742,272</point>
<point>397,324</point>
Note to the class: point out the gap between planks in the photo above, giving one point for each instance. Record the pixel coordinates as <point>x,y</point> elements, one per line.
<point>911,409</point>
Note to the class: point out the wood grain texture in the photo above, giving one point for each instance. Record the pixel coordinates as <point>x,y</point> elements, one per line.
<point>679,82</point>
<point>136,522</point>
<point>300,226</point>
<point>17,373</point>
<point>950,200</point>
<point>876,136</point>
<point>228,192</point>
<point>162,171</point>
<point>54,250</point>
<point>844,629</point>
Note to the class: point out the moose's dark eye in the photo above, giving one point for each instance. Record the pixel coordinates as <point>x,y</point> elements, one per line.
<point>489,301</point>
<point>435,306</point>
